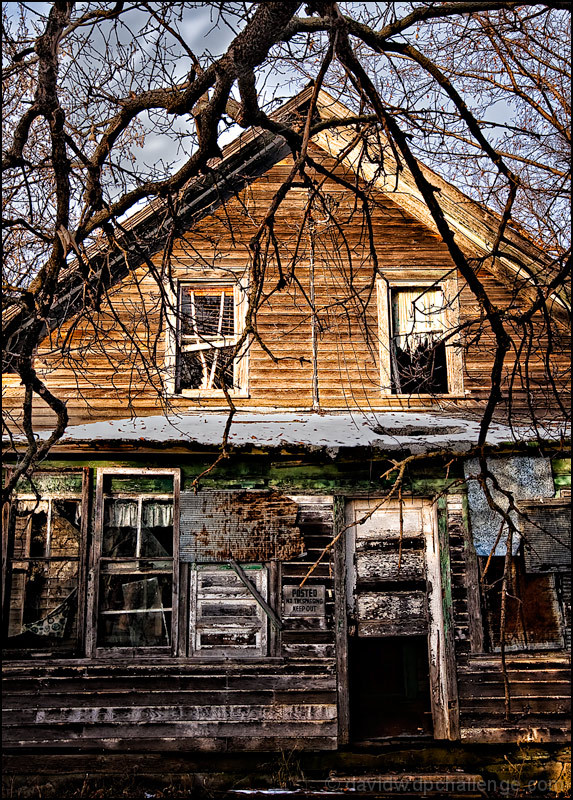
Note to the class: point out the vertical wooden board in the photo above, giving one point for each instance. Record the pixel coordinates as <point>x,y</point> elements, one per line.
<point>341,623</point>
<point>475,621</point>
<point>446,510</point>
<point>85,531</point>
<point>6,527</point>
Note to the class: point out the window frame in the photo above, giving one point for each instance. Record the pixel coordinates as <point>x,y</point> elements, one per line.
<point>94,650</point>
<point>454,359</point>
<point>8,532</point>
<point>173,337</point>
<point>489,607</point>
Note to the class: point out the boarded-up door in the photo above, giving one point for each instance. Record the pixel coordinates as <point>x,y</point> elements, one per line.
<point>394,599</point>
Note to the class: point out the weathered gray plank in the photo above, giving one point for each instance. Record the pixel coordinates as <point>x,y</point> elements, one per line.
<point>375,566</point>
<point>391,606</point>
<point>273,712</point>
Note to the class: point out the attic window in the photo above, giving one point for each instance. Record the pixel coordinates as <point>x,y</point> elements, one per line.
<point>417,349</point>
<point>208,335</point>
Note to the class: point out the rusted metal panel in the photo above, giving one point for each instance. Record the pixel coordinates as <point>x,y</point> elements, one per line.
<point>247,526</point>
<point>546,530</point>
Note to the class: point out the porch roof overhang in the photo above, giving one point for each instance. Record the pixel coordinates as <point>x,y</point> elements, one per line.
<point>393,431</point>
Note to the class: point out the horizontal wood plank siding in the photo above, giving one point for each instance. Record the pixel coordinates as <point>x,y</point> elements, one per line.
<point>284,701</point>
<point>107,705</point>
<point>540,708</point>
<point>97,377</point>
<point>540,682</point>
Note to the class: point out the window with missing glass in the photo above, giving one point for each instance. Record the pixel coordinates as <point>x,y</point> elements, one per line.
<point>417,347</point>
<point>533,611</point>
<point>419,352</point>
<point>43,568</point>
<point>203,340</point>
<point>134,561</point>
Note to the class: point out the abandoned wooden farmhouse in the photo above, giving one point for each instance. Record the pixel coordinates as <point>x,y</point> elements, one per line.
<point>285,597</point>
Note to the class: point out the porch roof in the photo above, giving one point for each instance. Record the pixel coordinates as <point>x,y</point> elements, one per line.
<point>391,431</point>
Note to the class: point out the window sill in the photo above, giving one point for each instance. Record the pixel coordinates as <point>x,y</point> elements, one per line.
<point>445,396</point>
<point>201,394</point>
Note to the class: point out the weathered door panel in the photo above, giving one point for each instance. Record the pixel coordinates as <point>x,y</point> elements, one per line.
<point>394,593</point>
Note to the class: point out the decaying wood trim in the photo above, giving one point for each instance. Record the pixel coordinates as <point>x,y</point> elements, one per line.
<point>472,584</point>
<point>6,512</point>
<point>453,503</point>
<point>84,549</point>
<point>341,623</point>
<point>270,612</point>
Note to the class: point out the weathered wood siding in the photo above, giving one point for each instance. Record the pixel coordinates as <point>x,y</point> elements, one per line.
<point>540,681</point>
<point>261,705</point>
<point>100,375</point>
<point>283,701</point>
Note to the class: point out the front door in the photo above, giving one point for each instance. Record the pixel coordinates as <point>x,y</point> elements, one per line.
<point>397,681</point>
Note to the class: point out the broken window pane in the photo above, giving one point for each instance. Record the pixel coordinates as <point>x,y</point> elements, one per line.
<point>533,616</point>
<point>190,371</point>
<point>135,611</point>
<point>219,367</point>
<point>65,530</point>
<point>136,567</point>
<point>210,368</point>
<point>207,334</point>
<point>156,529</point>
<point>43,575</point>
<point>418,353</point>
<point>207,312</point>
<point>120,529</point>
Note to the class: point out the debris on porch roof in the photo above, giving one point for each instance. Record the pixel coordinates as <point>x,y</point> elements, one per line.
<point>386,432</point>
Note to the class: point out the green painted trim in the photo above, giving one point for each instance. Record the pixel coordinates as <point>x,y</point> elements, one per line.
<point>561,466</point>
<point>444,540</point>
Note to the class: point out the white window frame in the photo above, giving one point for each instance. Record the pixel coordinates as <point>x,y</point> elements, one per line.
<point>454,359</point>
<point>173,338</point>
<point>227,623</point>
<point>93,649</point>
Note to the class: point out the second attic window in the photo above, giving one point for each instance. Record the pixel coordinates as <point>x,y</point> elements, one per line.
<point>417,352</point>
<point>208,335</point>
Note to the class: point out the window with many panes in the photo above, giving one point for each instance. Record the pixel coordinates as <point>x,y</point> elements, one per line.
<point>202,341</point>
<point>43,566</point>
<point>418,354</point>
<point>95,567</point>
<point>134,561</point>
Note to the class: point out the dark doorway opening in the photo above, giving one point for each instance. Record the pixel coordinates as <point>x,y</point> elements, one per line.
<point>389,687</point>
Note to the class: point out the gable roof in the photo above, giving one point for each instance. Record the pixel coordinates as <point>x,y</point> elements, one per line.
<point>250,156</point>
<point>474,225</point>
